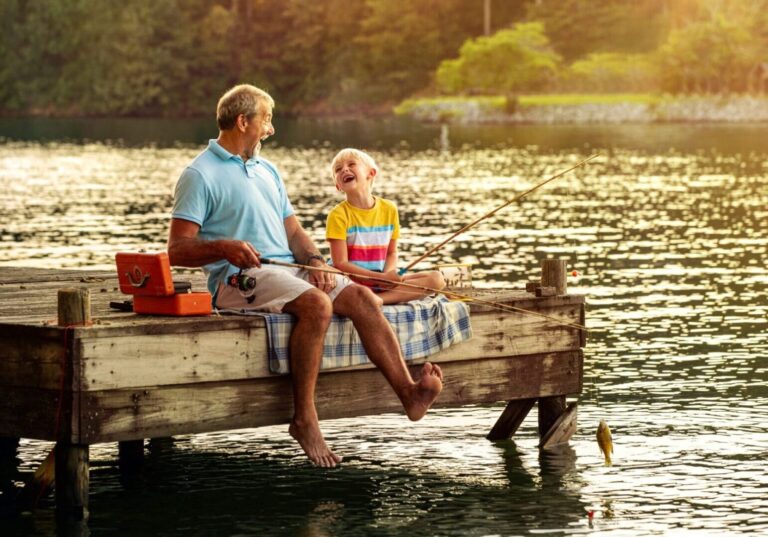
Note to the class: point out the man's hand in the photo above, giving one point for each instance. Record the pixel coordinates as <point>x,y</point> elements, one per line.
<point>242,254</point>
<point>325,281</point>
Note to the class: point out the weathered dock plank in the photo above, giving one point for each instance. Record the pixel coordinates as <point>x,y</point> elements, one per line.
<point>194,408</point>
<point>127,377</point>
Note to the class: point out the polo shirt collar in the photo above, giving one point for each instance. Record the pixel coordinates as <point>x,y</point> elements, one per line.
<point>223,154</point>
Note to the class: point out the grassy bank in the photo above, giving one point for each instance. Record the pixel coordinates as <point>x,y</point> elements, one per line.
<point>499,102</point>
<point>587,108</point>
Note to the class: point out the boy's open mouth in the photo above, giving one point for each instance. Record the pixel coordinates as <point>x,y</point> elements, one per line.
<point>348,178</point>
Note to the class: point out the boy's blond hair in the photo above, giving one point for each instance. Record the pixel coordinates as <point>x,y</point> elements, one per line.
<point>242,99</point>
<point>350,152</point>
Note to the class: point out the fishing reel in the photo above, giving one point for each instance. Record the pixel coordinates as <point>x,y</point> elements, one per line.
<point>242,282</point>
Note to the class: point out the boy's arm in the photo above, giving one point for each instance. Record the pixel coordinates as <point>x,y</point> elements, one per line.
<point>391,263</point>
<point>341,262</point>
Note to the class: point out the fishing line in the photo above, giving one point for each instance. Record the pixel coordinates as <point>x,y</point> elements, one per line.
<point>494,211</point>
<point>461,296</point>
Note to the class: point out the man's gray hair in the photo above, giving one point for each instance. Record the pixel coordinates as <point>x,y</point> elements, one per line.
<point>242,99</point>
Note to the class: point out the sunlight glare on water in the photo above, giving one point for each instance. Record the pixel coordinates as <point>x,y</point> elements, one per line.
<point>670,248</point>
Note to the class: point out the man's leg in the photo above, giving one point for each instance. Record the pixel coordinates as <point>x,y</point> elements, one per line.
<point>312,310</point>
<point>380,342</point>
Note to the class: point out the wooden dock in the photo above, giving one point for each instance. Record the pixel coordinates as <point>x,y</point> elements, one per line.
<point>128,377</point>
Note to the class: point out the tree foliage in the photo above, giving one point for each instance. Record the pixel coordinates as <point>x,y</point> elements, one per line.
<point>611,72</point>
<point>508,61</point>
<point>580,27</point>
<point>175,57</point>
<point>707,56</point>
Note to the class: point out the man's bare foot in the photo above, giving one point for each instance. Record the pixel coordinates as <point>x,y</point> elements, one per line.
<point>424,392</point>
<point>311,440</point>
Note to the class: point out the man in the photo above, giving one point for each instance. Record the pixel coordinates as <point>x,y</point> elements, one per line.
<point>231,208</point>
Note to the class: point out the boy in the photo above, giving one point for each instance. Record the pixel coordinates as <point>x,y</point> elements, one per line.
<point>363,232</point>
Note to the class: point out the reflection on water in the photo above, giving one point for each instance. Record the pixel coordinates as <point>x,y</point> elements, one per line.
<point>670,246</point>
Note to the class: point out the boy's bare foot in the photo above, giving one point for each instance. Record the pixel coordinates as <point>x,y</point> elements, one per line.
<point>311,440</point>
<point>424,392</point>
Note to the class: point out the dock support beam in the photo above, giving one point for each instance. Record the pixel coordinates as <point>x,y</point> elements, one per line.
<point>130,455</point>
<point>550,408</point>
<point>72,482</point>
<point>510,419</point>
<point>557,423</point>
<point>9,463</point>
<point>72,459</point>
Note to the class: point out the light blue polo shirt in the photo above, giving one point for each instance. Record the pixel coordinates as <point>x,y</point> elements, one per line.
<point>232,199</point>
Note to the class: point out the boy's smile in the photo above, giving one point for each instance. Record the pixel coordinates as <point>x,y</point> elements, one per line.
<point>352,172</point>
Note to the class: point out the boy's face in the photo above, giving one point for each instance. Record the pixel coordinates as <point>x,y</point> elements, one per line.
<point>353,176</point>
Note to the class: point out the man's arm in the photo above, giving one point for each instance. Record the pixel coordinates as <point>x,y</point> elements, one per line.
<point>302,248</point>
<point>186,249</point>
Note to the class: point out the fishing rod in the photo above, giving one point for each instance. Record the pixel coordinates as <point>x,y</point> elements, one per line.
<point>491,213</point>
<point>245,284</point>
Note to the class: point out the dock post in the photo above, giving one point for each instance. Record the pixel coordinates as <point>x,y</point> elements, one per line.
<point>553,274</point>
<point>9,447</point>
<point>550,408</point>
<point>557,423</point>
<point>510,419</point>
<point>130,455</point>
<point>72,465</point>
<point>9,464</point>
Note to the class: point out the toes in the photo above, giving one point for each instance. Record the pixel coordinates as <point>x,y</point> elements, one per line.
<point>437,371</point>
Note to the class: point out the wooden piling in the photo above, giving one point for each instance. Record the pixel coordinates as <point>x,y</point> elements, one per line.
<point>562,429</point>
<point>72,481</point>
<point>130,455</point>
<point>72,466</point>
<point>553,274</point>
<point>510,419</point>
<point>550,408</point>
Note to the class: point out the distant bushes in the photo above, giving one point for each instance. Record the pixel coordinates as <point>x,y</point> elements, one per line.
<point>719,49</point>
<point>508,61</point>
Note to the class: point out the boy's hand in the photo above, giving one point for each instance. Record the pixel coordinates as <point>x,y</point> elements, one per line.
<point>392,276</point>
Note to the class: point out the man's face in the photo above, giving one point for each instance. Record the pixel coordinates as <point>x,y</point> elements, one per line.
<point>258,128</point>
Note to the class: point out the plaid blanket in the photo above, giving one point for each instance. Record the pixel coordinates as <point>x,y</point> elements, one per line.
<point>423,327</point>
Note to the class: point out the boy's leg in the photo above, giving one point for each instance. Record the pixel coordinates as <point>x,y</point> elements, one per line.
<point>380,342</point>
<point>431,280</point>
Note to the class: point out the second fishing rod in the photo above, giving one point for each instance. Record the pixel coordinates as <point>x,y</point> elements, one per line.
<point>247,284</point>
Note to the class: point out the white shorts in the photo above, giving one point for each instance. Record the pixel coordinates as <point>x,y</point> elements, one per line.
<point>275,287</point>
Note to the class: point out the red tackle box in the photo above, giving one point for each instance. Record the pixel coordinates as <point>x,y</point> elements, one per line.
<point>147,276</point>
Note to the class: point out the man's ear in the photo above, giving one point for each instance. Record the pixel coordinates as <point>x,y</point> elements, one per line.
<point>241,122</point>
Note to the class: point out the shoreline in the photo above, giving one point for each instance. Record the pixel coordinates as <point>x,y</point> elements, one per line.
<point>730,109</point>
<point>491,110</point>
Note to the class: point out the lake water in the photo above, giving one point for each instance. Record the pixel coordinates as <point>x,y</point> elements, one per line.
<point>668,231</point>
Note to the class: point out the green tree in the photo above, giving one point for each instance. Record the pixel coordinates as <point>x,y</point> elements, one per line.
<point>707,56</point>
<point>580,27</point>
<point>612,72</point>
<point>519,59</point>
